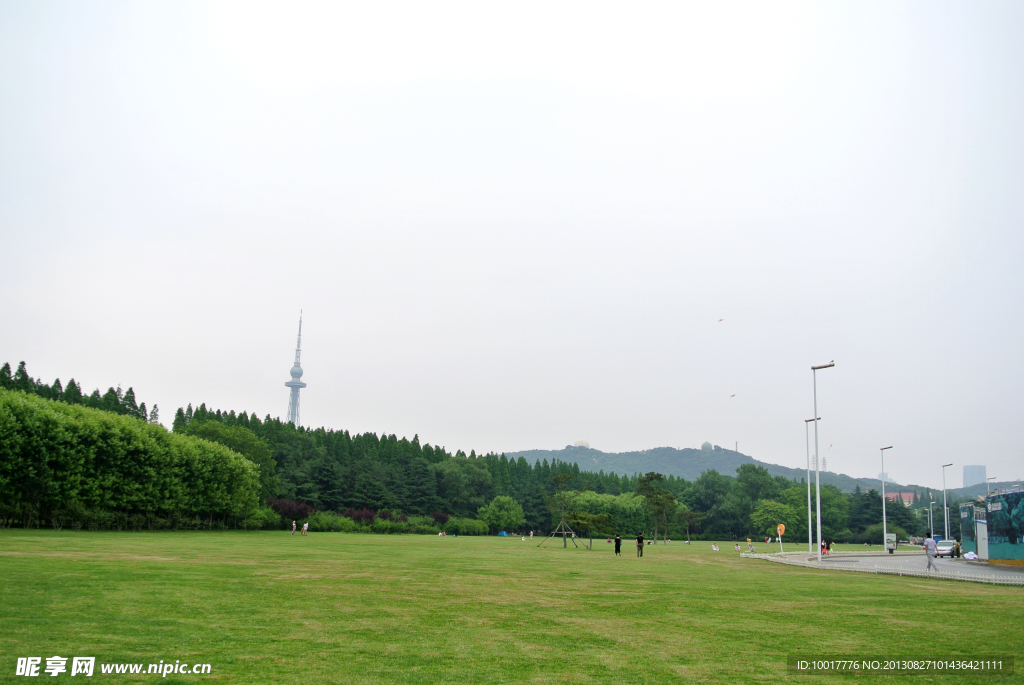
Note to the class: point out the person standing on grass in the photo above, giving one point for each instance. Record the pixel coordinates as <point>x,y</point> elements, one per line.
<point>293,527</point>
<point>639,544</point>
<point>930,551</point>
<point>305,528</point>
<point>618,546</point>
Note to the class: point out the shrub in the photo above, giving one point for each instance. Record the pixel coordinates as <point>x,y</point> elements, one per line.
<point>422,525</point>
<point>328,521</point>
<point>461,526</point>
<point>360,515</point>
<point>440,518</point>
<point>292,511</point>
<point>385,526</point>
<point>52,454</point>
<point>873,534</point>
<point>384,514</point>
<point>261,518</point>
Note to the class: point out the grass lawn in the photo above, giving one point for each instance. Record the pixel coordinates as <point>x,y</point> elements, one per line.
<point>346,608</point>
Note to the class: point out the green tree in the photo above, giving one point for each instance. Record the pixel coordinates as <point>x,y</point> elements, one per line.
<point>582,521</point>
<point>768,514</point>
<point>73,393</point>
<point>422,488</point>
<point>503,513</point>
<point>688,518</point>
<point>756,482</point>
<point>246,443</point>
<point>658,500</point>
<point>707,491</point>
<point>129,405</point>
<point>22,381</point>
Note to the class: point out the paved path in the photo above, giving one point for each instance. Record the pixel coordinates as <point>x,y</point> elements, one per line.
<point>904,563</point>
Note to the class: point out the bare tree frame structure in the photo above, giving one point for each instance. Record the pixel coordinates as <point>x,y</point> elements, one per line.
<point>560,502</point>
<point>566,532</point>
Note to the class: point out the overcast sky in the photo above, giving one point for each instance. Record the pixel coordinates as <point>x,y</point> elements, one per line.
<point>517,225</point>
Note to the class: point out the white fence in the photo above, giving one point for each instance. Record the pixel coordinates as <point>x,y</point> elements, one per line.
<point>992,579</point>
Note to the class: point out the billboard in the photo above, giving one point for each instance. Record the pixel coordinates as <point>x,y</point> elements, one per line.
<point>1005,512</point>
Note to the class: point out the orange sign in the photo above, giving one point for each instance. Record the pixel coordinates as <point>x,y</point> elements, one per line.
<point>781,529</point>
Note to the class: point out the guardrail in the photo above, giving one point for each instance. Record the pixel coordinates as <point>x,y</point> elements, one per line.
<point>780,557</point>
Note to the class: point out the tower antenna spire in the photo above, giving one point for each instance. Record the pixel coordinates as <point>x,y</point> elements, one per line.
<point>296,384</point>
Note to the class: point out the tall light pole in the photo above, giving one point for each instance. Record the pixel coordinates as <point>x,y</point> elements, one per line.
<point>945,508</point>
<point>810,522</point>
<point>987,484</point>
<point>885,529</point>
<point>817,459</point>
<point>931,518</point>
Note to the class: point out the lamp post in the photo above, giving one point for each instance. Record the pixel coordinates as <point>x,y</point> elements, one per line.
<point>931,518</point>
<point>987,488</point>
<point>885,530</point>
<point>945,507</point>
<point>810,522</point>
<point>817,459</point>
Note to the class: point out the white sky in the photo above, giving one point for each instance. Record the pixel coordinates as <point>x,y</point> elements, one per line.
<point>512,226</point>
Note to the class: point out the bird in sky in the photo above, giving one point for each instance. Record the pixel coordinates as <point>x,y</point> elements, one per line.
<point>733,395</point>
<point>721,320</point>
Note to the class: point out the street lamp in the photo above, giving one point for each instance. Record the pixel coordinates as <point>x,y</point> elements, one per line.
<point>931,519</point>
<point>885,530</point>
<point>987,488</point>
<point>944,506</point>
<point>810,524</point>
<point>817,458</point>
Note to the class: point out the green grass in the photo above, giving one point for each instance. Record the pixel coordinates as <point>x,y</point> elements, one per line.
<point>346,608</point>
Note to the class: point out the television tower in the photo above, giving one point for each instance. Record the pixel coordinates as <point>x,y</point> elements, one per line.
<point>296,382</point>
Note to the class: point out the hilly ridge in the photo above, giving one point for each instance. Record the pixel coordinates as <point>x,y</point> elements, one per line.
<point>689,463</point>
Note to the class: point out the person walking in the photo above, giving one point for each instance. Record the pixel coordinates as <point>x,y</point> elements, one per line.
<point>293,527</point>
<point>618,546</point>
<point>930,551</point>
<point>639,544</point>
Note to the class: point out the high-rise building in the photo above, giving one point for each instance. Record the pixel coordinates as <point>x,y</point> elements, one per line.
<point>296,382</point>
<point>973,475</point>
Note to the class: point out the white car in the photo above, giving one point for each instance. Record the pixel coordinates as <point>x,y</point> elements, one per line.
<point>944,548</point>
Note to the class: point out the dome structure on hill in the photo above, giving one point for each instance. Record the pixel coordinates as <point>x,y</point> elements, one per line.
<point>706,447</point>
<point>581,443</point>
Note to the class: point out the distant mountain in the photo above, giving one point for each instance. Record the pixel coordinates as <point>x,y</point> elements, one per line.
<point>690,463</point>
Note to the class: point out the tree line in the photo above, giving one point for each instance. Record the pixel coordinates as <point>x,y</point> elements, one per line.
<point>335,471</point>
<point>63,463</point>
<point>113,400</point>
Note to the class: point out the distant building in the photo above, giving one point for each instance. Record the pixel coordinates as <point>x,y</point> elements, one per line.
<point>581,443</point>
<point>885,477</point>
<point>974,475</point>
<point>906,497</point>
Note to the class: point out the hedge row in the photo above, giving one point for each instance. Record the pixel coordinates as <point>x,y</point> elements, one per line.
<point>57,459</point>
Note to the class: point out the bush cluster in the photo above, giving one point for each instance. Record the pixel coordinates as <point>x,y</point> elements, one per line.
<point>61,461</point>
